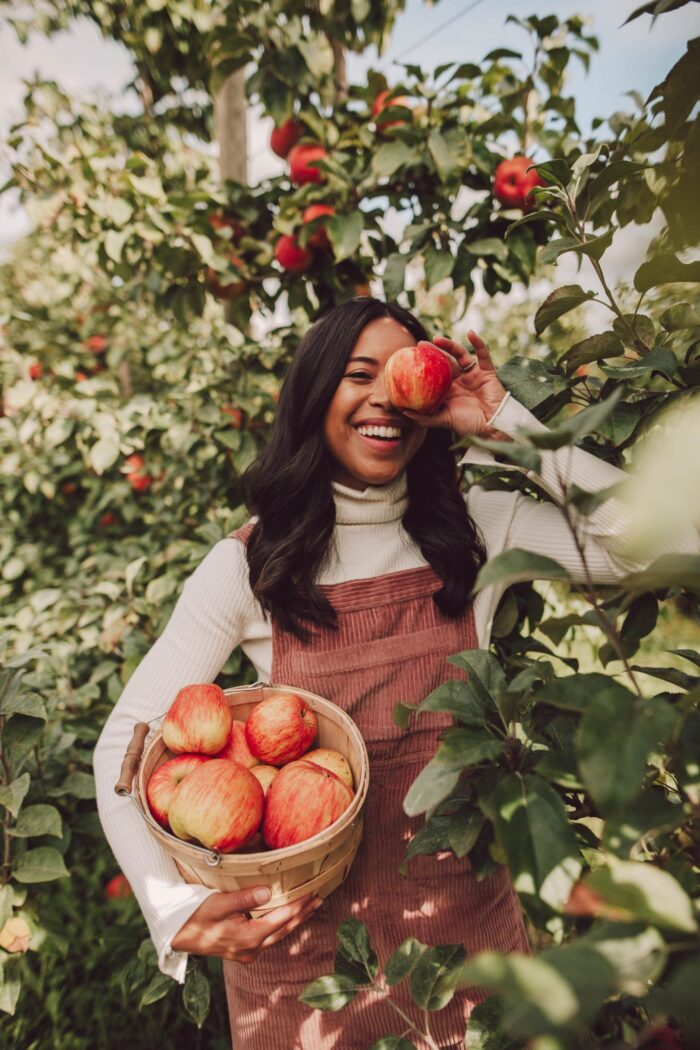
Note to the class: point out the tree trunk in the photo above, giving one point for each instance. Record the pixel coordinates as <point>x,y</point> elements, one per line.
<point>340,73</point>
<point>230,124</point>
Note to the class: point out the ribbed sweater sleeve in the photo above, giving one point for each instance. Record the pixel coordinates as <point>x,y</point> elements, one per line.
<point>208,621</point>
<point>510,520</point>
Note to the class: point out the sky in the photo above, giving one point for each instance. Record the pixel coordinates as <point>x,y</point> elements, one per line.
<point>633,56</point>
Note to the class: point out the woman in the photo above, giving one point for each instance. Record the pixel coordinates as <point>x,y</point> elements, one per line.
<point>353,582</point>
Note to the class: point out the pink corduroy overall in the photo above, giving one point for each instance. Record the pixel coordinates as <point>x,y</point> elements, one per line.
<point>391,644</point>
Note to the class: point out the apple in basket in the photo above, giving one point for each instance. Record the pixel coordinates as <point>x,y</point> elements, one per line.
<point>280,728</point>
<point>265,774</point>
<point>328,758</point>
<point>236,747</point>
<point>199,720</point>
<point>162,784</point>
<point>220,804</point>
<point>302,800</point>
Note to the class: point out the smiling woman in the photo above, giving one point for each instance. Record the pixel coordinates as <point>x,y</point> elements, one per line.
<point>354,581</point>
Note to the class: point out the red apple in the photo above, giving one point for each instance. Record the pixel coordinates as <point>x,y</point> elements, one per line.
<point>319,238</point>
<point>36,370</point>
<point>300,158</point>
<point>220,804</point>
<point>381,102</point>
<point>96,344</point>
<point>328,758</point>
<point>285,136</point>
<point>302,800</point>
<point>138,479</point>
<point>291,256</point>
<point>265,775</point>
<point>280,728</point>
<point>199,720</point>
<point>418,377</point>
<point>108,519</point>
<point>513,183</point>
<point>232,289</point>
<point>220,220</point>
<point>235,414</point>
<point>236,747</point>
<point>162,784</point>
<point>117,888</point>
<point>660,1037</point>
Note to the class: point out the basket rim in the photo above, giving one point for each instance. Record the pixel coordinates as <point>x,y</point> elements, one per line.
<point>222,861</point>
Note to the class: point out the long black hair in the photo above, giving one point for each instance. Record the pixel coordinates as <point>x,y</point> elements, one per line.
<point>289,485</point>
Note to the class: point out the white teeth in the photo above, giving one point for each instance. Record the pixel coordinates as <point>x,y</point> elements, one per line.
<point>380,432</point>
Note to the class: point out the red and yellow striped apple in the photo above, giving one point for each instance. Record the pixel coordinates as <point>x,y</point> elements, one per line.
<point>236,747</point>
<point>302,800</point>
<point>265,774</point>
<point>220,805</point>
<point>280,728</point>
<point>162,784</point>
<point>199,720</point>
<point>418,377</point>
<point>328,758</point>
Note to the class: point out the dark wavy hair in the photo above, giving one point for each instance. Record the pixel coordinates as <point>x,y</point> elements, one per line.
<point>289,485</point>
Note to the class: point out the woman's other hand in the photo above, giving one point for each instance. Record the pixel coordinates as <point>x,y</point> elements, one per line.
<point>475,394</point>
<point>222,925</point>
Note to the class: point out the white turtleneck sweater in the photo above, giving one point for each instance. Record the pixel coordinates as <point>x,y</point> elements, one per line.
<point>217,611</point>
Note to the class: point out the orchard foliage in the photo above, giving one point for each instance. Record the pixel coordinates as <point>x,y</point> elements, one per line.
<point>131,407</point>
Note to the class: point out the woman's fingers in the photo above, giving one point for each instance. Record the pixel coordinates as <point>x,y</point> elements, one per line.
<point>291,925</point>
<point>261,928</point>
<point>459,353</point>
<point>482,351</point>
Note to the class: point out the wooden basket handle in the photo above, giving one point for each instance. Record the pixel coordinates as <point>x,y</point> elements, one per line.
<point>132,758</point>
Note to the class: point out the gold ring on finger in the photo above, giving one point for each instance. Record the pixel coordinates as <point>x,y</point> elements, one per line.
<point>472,363</point>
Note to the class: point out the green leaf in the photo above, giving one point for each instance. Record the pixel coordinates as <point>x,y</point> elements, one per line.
<point>196,996</point>
<point>644,892</point>
<point>393,1042</point>
<point>438,265</point>
<point>576,427</point>
<point>558,303</point>
<point>332,992</point>
<point>354,944</point>
<point>345,232</point>
<point>12,795</point>
<point>680,995</point>
<point>433,784</point>
<point>680,316</point>
<point>19,736</point>
<point>534,830</point>
<point>6,899</point>
<point>433,979</point>
<point>670,570</point>
<point>665,269</point>
<point>464,828</point>
<point>645,816</point>
<point>24,704</point>
<point>40,865</point>
<point>555,171</point>
<point>38,820</point>
<point>669,674</point>
<point>596,247</point>
<point>529,381</point>
<point>464,748</point>
<point>487,246</point>
<point>660,359</point>
<point>460,699</point>
<point>638,956</point>
<point>10,985</point>
<point>486,1027</point>
<point>394,275</point>
<point>516,565</point>
<point>114,243</point>
<point>447,154</point>
<point>543,215</point>
<point>79,785</point>
<point>550,252</point>
<point>680,89</point>
<point>402,961</point>
<point>575,692</point>
<point>390,157</point>
<point>104,454</point>
<point>431,838</point>
<point>157,988</point>
<point>616,735</point>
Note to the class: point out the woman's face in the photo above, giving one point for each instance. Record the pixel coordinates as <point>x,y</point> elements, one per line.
<point>362,454</point>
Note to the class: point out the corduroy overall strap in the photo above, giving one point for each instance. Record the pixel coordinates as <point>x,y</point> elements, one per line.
<point>391,644</point>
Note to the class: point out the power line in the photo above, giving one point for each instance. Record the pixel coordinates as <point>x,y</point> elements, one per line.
<point>438,29</point>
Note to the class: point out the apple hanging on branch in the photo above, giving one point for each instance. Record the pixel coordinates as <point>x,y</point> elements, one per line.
<point>301,163</point>
<point>319,238</point>
<point>382,102</point>
<point>513,183</point>
<point>291,255</point>
<point>285,136</point>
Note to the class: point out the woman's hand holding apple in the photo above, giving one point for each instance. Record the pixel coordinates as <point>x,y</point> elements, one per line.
<point>475,394</point>
<point>222,926</point>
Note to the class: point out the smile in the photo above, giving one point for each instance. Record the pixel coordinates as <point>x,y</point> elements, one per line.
<point>383,433</point>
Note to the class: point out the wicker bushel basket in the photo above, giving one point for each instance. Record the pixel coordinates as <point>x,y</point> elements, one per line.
<point>317,865</point>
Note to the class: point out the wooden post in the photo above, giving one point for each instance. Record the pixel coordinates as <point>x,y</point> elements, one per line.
<point>230,124</point>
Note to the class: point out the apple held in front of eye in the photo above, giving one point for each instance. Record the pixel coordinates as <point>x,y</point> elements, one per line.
<point>329,758</point>
<point>280,728</point>
<point>163,782</point>
<point>303,800</point>
<point>418,377</point>
<point>198,721</point>
<point>220,805</point>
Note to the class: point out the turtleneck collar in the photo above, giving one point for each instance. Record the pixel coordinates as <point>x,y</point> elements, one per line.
<point>373,505</point>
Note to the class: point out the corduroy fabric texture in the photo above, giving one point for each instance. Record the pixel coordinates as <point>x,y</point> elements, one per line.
<point>391,644</point>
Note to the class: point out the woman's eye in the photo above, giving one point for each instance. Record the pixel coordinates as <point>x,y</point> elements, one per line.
<point>358,374</point>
